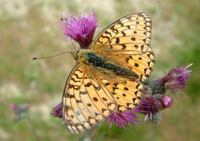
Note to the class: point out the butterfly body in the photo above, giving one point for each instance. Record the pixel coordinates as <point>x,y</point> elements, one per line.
<point>89,57</point>
<point>103,64</point>
<point>108,75</point>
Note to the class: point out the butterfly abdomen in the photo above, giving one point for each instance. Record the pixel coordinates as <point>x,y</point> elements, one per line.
<point>100,62</point>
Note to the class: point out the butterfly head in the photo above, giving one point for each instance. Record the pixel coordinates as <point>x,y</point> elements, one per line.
<point>81,55</point>
<point>78,54</point>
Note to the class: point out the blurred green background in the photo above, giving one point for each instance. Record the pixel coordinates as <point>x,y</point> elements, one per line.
<point>31,28</point>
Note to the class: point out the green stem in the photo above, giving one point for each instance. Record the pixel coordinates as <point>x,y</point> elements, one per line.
<point>89,135</point>
<point>32,129</point>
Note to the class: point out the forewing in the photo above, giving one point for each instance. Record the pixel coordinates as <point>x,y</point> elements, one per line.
<point>126,42</point>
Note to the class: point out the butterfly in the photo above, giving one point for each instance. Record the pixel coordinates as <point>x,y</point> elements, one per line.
<point>108,75</point>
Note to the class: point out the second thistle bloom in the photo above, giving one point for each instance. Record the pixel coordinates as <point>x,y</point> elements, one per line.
<point>152,104</point>
<point>176,78</point>
<point>81,29</point>
<point>149,106</point>
<point>20,110</point>
<point>122,119</point>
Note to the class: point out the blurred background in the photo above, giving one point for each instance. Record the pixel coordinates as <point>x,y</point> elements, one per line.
<point>32,28</point>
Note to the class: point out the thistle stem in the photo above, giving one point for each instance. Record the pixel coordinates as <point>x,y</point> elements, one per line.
<point>89,135</point>
<point>32,129</point>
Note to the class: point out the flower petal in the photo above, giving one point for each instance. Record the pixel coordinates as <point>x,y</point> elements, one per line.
<point>81,29</point>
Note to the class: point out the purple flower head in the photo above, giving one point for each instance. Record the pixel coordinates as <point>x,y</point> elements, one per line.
<point>57,111</point>
<point>176,78</point>
<point>81,29</point>
<point>167,101</point>
<point>19,110</point>
<point>122,119</point>
<point>13,106</point>
<point>149,106</point>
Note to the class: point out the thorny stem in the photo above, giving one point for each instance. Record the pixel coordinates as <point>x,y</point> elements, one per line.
<point>32,129</point>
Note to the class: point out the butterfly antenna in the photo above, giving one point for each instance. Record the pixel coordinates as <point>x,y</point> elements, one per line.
<point>36,58</point>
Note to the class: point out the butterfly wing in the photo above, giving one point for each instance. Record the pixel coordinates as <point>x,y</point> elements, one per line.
<point>85,103</point>
<point>126,42</point>
<point>125,92</point>
<point>91,94</point>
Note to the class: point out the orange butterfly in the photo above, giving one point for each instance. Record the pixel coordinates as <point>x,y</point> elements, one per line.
<point>108,75</point>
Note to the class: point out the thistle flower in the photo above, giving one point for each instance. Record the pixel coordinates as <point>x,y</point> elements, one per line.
<point>122,119</point>
<point>149,106</point>
<point>81,29</point>
<point>57,111</point>
<point>13,107</point>
<point>19,107</point>
<point>19,110</point>
<point>176,78</point>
